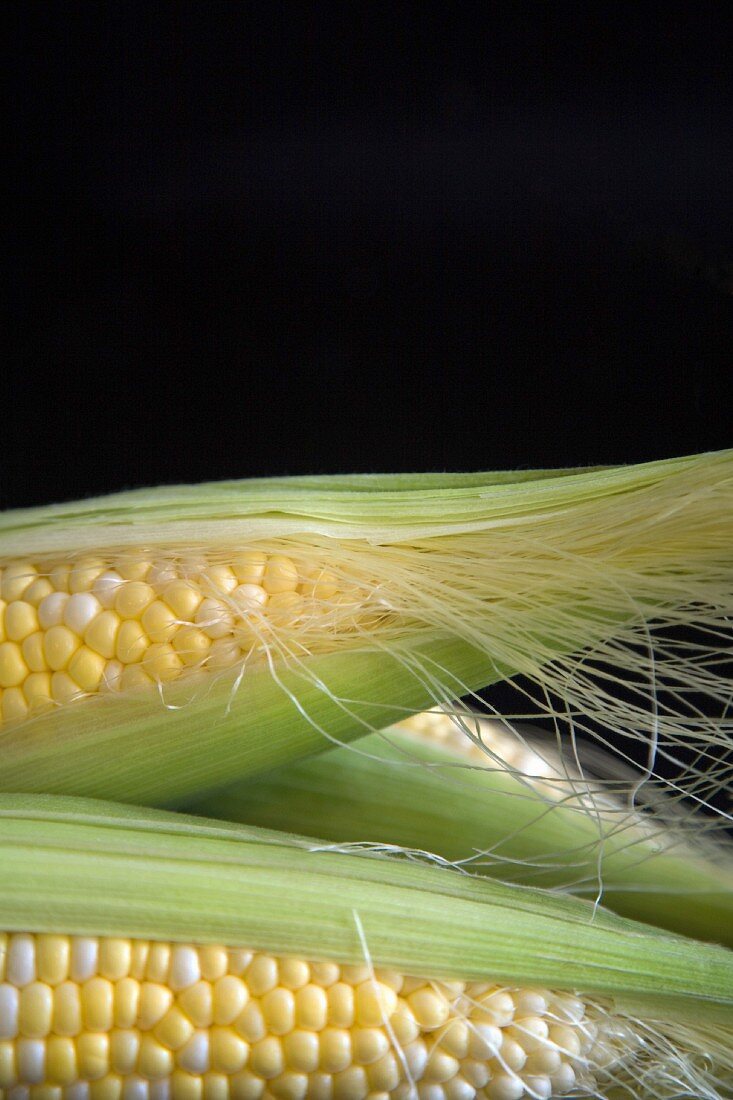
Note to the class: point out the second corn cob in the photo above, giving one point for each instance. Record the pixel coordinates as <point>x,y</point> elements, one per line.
<point>151,955</point>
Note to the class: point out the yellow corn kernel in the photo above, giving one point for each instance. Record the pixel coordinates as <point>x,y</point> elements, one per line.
<point>216,1086</point>
<point>132,641</point>
<point>61,1064</point>
<point>83,574</point>
<point>321,586</point>
<point>215,618</point>
<point>223,654</point>
<point>311,1008</point>
<point>228,1051</point>
<point>134,676</point>
<point>335,1049</point>
<point>214,962</point>
<point>341,1005</point>
<point>184,1086</point>
<point>230,995</point>
<point>126,1002</point>
<point>32,650</point>
<point>8,1072</point>
<point>429,1009</point>
<point>101,634</point>
<point>197,1001</point>
<point>174,1030</point>
<point>155,1000</point>
<point>64,689</point>
<point>250,1023</point>
<point>183,599</point>
<point>158,962</point>
<point>86,668</point>
<point>369,1043</point>
<point>281,575</point>
<point>21,619</point>
<point>13,669</point>
<point>245,1086</point>
<point>285,607</point>
<point>38,590</point>
<point>59,577</point>
<point>139,959</point>
<point>154,1060</point>
<point>351,1084</point>
<point>266,1057</point>
<point>108,1087</point>
<point>92,1051</point>
<point>53,955</point>
<point>37,691</point>
<point>302,1051</point>
<point>35,1009</point>
<point>124,1048</point>
<point>115,957</point>
<point>67,1016</point>
<point>249,568</point>
<point>161,662</point>
<point>159,621</point>
<point>132,568</point>
<point>219,579</point>
<point>97,1002</point>
<point>14,706</point>
<point>17,577</point>
<point>132,599</point>
<point>191,644</point>
<point>60,645</point>
<point>278,1008</point>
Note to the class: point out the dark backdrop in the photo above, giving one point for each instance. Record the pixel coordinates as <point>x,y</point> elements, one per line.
<point>250,239</point>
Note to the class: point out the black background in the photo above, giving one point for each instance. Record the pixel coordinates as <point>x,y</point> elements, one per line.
<point>251,239</point>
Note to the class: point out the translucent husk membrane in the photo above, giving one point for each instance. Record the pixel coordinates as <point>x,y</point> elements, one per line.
<point>502,802</point>
<point>662,1005</point>
<point>607,594</point>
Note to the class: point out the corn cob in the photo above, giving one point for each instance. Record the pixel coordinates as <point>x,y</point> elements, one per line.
<point>121,986</point>
<point>279,616</point>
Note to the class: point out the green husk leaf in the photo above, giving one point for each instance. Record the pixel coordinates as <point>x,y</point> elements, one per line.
<point>85,867</point>
<point>134,748</point>
<point>398,791</point>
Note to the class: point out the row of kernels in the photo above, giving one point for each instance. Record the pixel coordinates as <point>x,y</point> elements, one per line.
<point>93,1058</point>
<point>135,581</point>
<point>52,958</point>
<point>243,1086</point>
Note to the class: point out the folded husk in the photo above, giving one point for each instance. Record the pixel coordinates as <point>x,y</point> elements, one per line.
<point>396,790</point>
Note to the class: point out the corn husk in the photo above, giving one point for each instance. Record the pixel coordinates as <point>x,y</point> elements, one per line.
<point>537,823</point>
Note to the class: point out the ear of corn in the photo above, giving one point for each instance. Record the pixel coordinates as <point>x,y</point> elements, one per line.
<point>398,592</point>
<point>160,955</point>
<point>508,809</point>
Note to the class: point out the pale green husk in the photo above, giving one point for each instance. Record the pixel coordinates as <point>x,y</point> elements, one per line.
<point>85,867</point>
<point>577,580</point>
<point>395,790</point>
